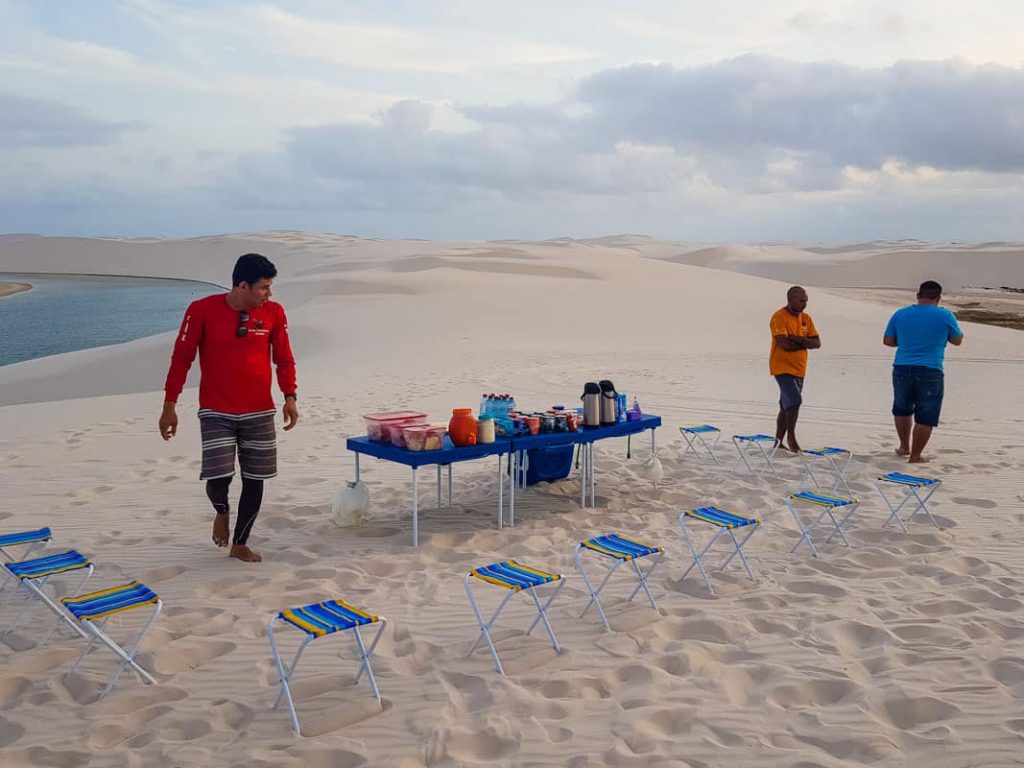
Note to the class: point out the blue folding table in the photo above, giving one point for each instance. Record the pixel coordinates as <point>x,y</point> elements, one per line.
<point>515,448</point>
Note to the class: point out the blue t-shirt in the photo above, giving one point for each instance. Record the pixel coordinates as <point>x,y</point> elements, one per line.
<point>921,332</point>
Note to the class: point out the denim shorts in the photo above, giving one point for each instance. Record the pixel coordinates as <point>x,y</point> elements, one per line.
<point>790,390</point>
<point>917,391</point>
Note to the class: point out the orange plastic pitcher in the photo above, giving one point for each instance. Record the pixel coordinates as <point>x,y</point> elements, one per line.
<point>462,427</point>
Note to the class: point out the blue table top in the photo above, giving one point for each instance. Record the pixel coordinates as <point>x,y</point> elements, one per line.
<point>450,453</point>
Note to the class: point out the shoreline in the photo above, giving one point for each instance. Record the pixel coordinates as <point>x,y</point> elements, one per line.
<point>9,289</point>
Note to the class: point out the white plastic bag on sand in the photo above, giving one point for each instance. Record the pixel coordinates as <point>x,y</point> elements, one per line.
<point>651,469</point>
<point>350,504</point>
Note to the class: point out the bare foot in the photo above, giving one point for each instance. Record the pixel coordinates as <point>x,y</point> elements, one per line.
<point>243,553</point>
<point>221,526</point>
<point>793,447</point>
<point>902,451</point>
<point>918,460</point>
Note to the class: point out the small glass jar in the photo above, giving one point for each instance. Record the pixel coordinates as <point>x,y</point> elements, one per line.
<point>485,430</point>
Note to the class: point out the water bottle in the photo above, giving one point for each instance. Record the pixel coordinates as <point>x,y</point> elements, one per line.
<point>636,407</point>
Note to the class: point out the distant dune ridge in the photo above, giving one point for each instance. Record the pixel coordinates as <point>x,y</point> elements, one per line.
<point>904,650</point>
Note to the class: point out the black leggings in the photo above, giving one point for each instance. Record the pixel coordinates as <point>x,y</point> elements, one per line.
<point>248,503</point>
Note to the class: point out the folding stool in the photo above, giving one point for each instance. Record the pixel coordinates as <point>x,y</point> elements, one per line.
<point>516,578</point>
<point>622,550</point>
<point>100,606</point>
<point>695,437</point>
<point>752,453</point>
<point>34,539</point>
<point>726,522</point>
<point>318,620</point>
<point>828,506</point>
<point>912,486</point>
<point>35,573</point>
<point>833,463</point>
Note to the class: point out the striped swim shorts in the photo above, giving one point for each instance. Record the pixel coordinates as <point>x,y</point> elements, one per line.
<point>252,433</point>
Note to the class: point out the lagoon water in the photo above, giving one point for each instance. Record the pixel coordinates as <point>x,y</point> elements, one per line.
<point>62,314</point>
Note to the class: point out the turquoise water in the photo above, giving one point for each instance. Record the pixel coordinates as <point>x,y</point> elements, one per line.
<point>62,314</point>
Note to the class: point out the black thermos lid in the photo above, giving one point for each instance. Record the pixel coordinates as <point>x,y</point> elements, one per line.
<point>591,388</point>
<point>606,386</point>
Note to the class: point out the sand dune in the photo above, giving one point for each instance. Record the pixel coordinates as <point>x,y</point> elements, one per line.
<point>905,649</point>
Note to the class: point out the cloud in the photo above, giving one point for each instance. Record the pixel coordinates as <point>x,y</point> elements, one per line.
<point>28,122</point>
<point>948,115</point>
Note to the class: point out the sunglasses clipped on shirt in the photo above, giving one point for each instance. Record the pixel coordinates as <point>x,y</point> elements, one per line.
<point>243,329</point>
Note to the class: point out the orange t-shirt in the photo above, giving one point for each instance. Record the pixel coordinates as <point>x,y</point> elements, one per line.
<point>785,323</point>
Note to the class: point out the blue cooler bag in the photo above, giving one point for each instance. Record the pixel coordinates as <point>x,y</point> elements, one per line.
<point>547,464</point>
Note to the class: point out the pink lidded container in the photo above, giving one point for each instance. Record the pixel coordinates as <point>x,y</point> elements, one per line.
<point>396,430</point>
<point>376,423</point>
<point>424,437</point>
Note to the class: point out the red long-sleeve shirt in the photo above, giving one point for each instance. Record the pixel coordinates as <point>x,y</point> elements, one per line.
<point>236,375</point>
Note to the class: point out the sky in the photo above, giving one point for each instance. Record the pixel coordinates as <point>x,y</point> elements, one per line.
<point>738,121</point>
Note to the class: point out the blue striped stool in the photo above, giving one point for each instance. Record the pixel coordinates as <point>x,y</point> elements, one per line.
<point>834,461</point>
<point>698,436</point>
<point>34,540</point>
<point>754,455</point>
<point>725,522</point>
<point>35,573</point>
<point>622,550</point>
<point>516,578</point>
<point>828,506</point>
<point>100,606</point>
<point>912,487</point>
<point>318,620</point>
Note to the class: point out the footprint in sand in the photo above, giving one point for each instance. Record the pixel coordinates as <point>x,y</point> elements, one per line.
<point>107,735</point>
<point>185,654</point>
<point>979,503</point>
<point>10,732</point>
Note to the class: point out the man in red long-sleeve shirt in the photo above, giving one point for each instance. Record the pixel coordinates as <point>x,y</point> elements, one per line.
<point>236,335</point>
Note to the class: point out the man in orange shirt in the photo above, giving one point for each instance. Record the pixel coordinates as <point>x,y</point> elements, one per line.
<point>793,333</point>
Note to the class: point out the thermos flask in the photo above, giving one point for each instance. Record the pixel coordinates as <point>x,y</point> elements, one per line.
<point>591,398</point>
<point>609,402</point>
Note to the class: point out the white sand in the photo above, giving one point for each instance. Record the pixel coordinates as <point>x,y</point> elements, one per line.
<point>904,650</point>
<point>9,289</point>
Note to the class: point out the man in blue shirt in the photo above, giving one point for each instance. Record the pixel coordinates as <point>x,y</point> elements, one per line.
<point>919,333</point>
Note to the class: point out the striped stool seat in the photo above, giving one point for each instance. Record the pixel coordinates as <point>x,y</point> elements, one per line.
<point>720,517</point>
<point>828,460</point>
<point>49,565</point>
<point>695,438</point>
<point>920,489</point>
<point>622,550</point>
<point>827,504</point>
<point>95,609</point>
<point>822,500</point>
<point>25,537</point>
<point>727,523</point>
<point>614,545</point>
<point>513,575</point>
<point>754,455</point>
<point>32,574</point>
<point>700,429</point>
<point>901,479</point>
<point>516,578</point>
<point>318,620</point>
<point>106,602</point>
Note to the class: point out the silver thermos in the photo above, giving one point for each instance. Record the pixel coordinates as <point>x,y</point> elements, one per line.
<point>609,403</point>
<point>591,404</point>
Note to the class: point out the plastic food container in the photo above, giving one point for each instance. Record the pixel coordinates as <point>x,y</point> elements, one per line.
<point>375,422</point>
<point>396,430</point>
<point>423,437</point>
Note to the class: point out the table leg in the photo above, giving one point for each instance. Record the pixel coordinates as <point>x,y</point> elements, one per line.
<point>415,511</point>
<point>357,467</point>
<point>653,446</point>
<point>583,475</point>
<point>593,480</point>
<point>449,485</point>
<point>501,500</point>
<point>514,459</point>
<point>438,486</point>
